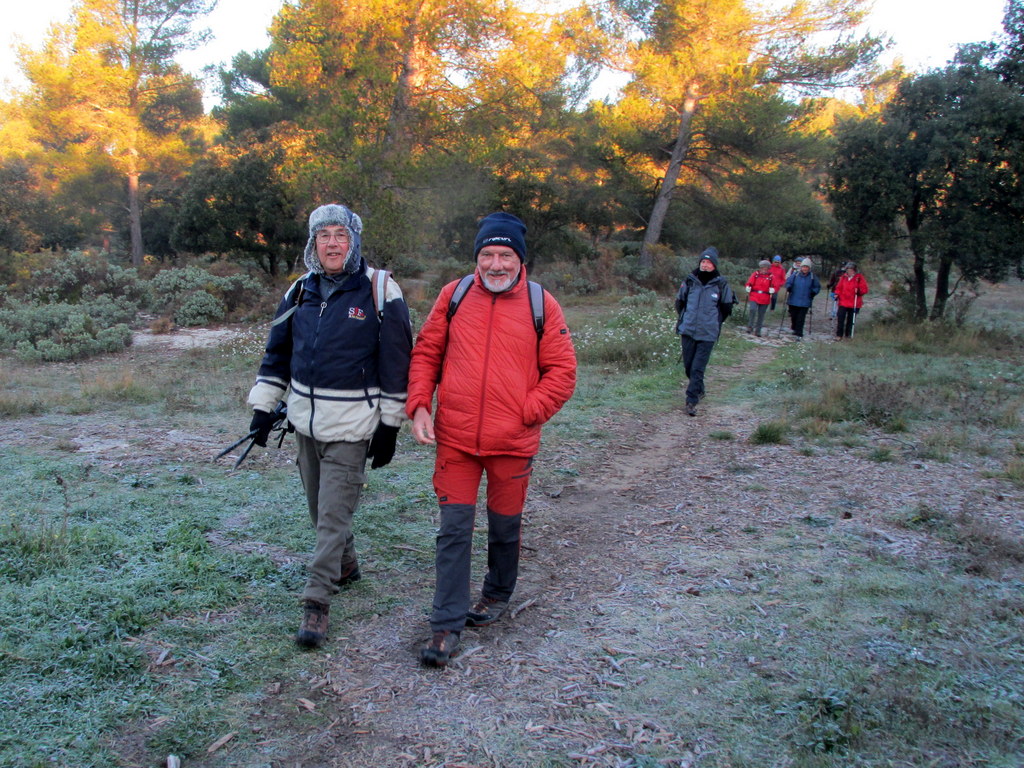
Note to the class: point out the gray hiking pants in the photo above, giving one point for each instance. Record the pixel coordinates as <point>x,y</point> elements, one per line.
<point>332,476</point>
<point>453,562</point>
<point>756,316</point>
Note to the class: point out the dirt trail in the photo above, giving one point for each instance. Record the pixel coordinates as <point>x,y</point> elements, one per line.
<point>531,685</point>
<point>614,563</point>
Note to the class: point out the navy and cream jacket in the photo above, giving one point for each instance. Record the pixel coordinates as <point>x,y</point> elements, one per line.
<point>342,369</point>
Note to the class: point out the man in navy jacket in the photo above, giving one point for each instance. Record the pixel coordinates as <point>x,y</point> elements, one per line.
<point>341,359</point>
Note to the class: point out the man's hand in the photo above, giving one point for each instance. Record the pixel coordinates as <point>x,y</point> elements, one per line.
<point>423,427</point>
<point>262,422</point>
<point>749,289</point>
<point>771,290</point>
<point>382,445</point>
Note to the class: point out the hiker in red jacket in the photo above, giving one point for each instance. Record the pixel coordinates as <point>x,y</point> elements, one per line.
<point>761,289</point>
<point>499,378</point>
<point>778,276</point>
<point>850,291</point>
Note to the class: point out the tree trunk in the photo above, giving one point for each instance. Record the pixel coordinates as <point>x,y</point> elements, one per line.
<point>135,218</point>
<point>941,288</point>
<point>917,248</point>
<point>657,220</point>
<point>397,139</point>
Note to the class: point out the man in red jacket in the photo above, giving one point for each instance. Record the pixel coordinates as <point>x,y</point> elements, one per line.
<point>499,379</point>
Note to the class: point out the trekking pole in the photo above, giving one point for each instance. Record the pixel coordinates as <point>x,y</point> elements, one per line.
<point>280,423</point>
<point>810,318</point>
<point>235,444</point>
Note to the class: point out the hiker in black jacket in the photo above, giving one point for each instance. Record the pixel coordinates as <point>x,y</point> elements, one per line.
<point>703,303</point>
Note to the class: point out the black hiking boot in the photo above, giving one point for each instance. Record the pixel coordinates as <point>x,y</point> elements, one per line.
<point>691,409</point>
<point>438,652</point>
<point>313,630</point>
<point>486,611</point>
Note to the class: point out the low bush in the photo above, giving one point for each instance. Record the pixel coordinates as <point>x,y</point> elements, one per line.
<point>196,296</point>
<point>769,433</point>
<point>39,332</point>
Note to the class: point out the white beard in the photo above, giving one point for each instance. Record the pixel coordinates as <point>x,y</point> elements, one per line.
<point>495,287</point>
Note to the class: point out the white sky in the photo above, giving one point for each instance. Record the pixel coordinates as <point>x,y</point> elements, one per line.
<point>926,32</point>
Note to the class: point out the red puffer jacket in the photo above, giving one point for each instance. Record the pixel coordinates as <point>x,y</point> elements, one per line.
<point>759,283</point>
<point>850,291</point>
<point>496,385</point>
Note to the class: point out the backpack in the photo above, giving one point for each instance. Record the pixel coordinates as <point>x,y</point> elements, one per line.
<point>536,293</point>
<point>378,284</point>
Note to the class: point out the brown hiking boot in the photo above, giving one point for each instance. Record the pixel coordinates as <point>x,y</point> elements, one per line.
<point>313,630</point>
<point>440,649</point>
<point>486,611</point>
<point>349,575</point>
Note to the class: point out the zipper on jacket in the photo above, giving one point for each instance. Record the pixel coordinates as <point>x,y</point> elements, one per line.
<point>316,347</point>
<point>484,370</point>
<point>366,389</point>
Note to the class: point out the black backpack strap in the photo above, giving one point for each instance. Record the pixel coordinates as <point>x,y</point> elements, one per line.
<point>296,291</point>
<point>537,306</point>
<point>458,295</point>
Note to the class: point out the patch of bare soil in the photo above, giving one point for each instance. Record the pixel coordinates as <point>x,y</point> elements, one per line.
<point>183,338</point>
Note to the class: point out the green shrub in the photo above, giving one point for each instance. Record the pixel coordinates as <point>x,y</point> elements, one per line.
<point>78,277</point>
<point>881,455</point>
<point>199,308</point>
<point>447,270</point>
<point>179,291</point>
<point>643,298</point>
<point>59,332</point>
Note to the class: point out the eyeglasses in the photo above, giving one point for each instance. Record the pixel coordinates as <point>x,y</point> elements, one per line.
<point>326,237</point>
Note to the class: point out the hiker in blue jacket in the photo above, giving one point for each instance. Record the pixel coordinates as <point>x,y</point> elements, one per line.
<point>801,288</point>
<point>703,303</point>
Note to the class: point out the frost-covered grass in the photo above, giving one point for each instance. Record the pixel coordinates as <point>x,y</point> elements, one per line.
<point>134,610</point>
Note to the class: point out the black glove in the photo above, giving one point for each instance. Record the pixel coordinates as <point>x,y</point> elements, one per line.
<point>382,445</point>
<point>262,422</point>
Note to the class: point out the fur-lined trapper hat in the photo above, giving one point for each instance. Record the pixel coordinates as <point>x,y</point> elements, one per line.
<point>339,216</point>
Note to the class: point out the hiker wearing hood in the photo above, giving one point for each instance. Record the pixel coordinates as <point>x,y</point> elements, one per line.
<point>703,303</point>
<point>338,351</point>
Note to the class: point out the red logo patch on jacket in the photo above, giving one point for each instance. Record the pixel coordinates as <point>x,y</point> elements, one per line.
<point>355,313</point>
